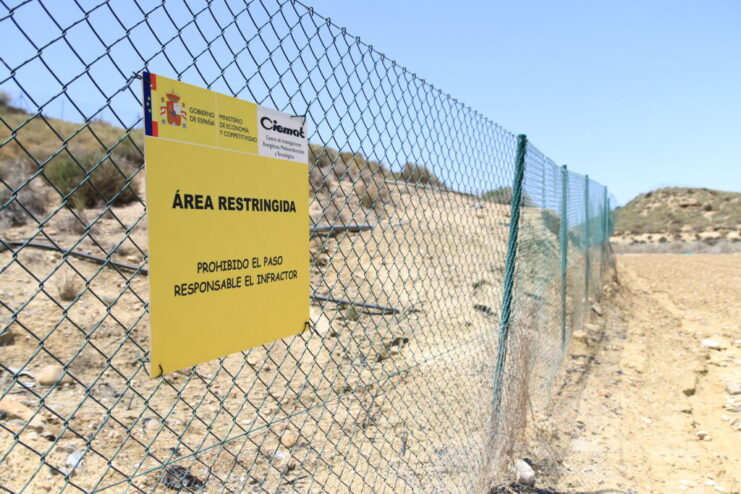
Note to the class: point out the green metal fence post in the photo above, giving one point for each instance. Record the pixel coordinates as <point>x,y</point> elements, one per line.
<point>509,268</point>
<point>605,237</point>
<point>588,243</point>
<point>564,246</point>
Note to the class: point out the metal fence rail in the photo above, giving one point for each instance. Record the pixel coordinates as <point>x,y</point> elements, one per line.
<point>450,263</point>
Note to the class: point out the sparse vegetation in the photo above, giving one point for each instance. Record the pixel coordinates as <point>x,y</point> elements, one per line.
<point>341,183</point>
<point>90,181</point>
<point>373,192</point>
<point>680,247</point>
<point>20,198</point>
<point>68,287</point>
<point>16,211</point>
<point>679,208</point>
<point>503,195</point>
<point>96,166</point>
<point>419,174</point>
<point>40,136</point>
<point>680,220</point>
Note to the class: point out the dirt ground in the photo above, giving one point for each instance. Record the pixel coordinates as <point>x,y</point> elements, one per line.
<point>655,412</point>
<point>367,401</point>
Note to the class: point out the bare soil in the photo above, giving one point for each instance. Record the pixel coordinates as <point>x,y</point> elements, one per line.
<point>645,406</point>
<point>367,401</point>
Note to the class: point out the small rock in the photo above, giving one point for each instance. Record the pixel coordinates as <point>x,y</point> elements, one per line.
<point>289,439</point>
<point>689,384</point>
<point>284,462</point>
<point>702,435</point>
<point>12,407</point>
<point>7,338</point>
<point>394,350</point>
<point>597,309</point>
<point>525,473</point>
<point>720,488</point>
<point>733,388</point>
<point>711,344</point>
<point>579,335</point>
<point>53,374</point>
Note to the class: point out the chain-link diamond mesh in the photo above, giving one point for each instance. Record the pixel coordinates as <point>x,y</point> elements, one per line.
<point>411,200</point>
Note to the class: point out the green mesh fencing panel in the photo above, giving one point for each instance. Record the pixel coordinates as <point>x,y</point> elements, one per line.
<point>402,383</point>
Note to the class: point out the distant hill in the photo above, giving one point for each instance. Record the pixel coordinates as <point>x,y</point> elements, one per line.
<point>680,215</point>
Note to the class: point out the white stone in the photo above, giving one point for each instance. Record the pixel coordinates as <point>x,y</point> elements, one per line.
<point>711,344</point>
<point>733,388</point>
<point>702,434</point>
<point>51,375</point>
<point>525,473</point>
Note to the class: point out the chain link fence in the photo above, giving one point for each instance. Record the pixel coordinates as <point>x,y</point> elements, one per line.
<point>450,263</point>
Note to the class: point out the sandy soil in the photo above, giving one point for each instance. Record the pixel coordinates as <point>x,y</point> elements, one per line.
<point>653,411</point>
<point>366,402</point>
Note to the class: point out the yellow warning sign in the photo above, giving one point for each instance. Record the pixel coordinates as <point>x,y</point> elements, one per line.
<point>227,207</point>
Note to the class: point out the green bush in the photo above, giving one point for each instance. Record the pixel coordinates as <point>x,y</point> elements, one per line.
<point>105,182</point>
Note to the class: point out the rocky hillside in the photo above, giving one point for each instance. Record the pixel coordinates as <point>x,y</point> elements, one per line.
<point>680,219</point>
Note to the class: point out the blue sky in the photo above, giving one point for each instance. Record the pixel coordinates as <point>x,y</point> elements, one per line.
<point>637,94</point>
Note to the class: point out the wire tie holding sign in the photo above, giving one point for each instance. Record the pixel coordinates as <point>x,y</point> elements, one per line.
<point>306,112</point>
<point>307,327</point>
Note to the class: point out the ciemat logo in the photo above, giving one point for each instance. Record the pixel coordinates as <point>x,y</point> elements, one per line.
<point>270,124</point>
<point>173,111</point>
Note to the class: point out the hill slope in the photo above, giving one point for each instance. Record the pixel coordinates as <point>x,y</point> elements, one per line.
<point>681,215</point>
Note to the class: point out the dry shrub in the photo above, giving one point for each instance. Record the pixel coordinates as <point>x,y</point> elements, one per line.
<point>368,194</point>
<point>104,182</point>
<point>68,287</point>
<point>372,193</point>
<point>26,199</point>
<point>337,211</point>
<point>353,164</point>
<point>419,174</point>
<point>318,180</point>
<point>130,149</point>
<point>503,195</point>
<point>321,156</point>
<point>28,202</point>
